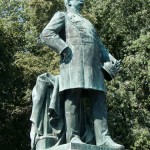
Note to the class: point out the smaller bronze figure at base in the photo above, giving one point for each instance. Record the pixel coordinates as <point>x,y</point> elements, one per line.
<point>82,57</point>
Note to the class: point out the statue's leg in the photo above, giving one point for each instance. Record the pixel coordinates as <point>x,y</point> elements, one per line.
<point>72,105</point>
<point>99,112</point>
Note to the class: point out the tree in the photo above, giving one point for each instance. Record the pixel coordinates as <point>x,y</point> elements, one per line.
<point>123,27</point>
<point>13,109</point>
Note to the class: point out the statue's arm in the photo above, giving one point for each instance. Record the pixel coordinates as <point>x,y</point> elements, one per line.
<point>50,34</point>
<point>106,56</point>
<point>104,52</point>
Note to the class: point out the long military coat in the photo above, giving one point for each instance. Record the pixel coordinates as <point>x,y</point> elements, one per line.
<point>67,29</point>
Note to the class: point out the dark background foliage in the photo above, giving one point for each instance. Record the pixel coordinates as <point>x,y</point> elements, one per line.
<point>124,27</point>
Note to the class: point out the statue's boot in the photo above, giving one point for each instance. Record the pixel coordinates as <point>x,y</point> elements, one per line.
<point>72,105</point>
<point>76,139</point>
<point>99,113</point>
<point>111,144</point>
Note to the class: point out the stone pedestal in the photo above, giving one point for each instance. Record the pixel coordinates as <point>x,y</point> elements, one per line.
<point>45,142</point>
<point>79,146</point>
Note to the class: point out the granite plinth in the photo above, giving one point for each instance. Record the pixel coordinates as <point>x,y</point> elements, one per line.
<point>80,146</point>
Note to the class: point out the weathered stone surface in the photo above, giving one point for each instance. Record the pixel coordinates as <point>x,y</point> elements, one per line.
<point>46,142</point>
<point>79,146</point>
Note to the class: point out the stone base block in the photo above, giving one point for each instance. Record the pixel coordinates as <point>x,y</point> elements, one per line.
<point>45,142</point>
<point>79,146</point>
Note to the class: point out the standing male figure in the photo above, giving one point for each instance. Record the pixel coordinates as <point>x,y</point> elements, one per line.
<point>82,55</point>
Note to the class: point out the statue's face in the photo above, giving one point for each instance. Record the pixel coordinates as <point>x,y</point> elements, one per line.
<point>76,3</point>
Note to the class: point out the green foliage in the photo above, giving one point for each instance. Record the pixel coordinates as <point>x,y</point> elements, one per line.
<point>123,27</point>
<point>13,112</point>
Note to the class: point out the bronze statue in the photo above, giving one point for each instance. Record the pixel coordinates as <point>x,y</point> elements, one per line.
<point>81,71</point>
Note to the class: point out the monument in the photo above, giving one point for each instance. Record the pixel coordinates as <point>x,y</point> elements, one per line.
<point>69,110</point>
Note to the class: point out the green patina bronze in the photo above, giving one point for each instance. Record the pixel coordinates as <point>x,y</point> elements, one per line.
<point>58,114</point>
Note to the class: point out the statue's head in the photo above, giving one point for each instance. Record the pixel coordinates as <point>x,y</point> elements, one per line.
<point>78,4</point>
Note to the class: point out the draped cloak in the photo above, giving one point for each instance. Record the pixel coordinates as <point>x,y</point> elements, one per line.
<point>48,122</point>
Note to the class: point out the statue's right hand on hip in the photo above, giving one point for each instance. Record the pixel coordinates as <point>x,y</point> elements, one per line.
<point>66,55</point>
